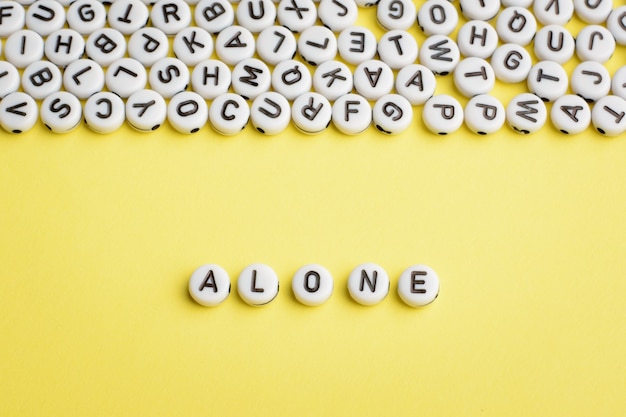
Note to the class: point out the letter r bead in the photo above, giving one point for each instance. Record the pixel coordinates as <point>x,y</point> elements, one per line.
<point>418,285</point>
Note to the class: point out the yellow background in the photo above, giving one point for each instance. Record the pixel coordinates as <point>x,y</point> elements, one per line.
<point>99,235</point>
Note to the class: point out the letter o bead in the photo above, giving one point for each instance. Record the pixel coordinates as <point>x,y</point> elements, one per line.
<point>257,284</point>
<point>209,285</point>
<point>312,285</point>
<point>368,284</point>
<point>418,286</point>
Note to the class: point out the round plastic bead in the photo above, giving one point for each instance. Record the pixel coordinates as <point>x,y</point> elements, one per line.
<point>64,46</point>
<point>291,78</point>
<point>516,25</point>
<point>270,113</point>
<point>41,79</point>
<point>13,17</point>
<point>337,14</point>
<point>312,285</point>
<point>608,115</point>
<point>83,78</point>
<point>187,112</point>
<point>257,284</point>
<point>276,44</point>
<point>311,113</point>
<point>593,11</point>
<point>317,44</point>
<point>554,43</point>
<point>193,45</point>
<point>392,114</point>
<point>477,38</point>
<point>9,79</point>
<point>440,54</point>
<point>45,17</point>
<point>618,82</point>
<point>214,15</point>
<point>125,77</point>
<point>416,83</point>
<point>250,78</point>
<point>148,45</point>
<point>256,15</point>
<point>474,76</point>
<point>356,44</point>
<point>373,79</point>
<point>616,24</point>
<point>396,14</point>
<point>170,16</point>
<point>548,80</point>
<point>591,81</point>
<point>229,114</point>
<point>18,112</point>
<point>332,79</point>
<point>61,112</point>
<point>368,284</point>
<point>511,63</point>
<point>234,44</point>
<point>437,17</point>
<point>211,78</point>
<point>86,16</point>
<point>570,114</point>
<point>104,112</point>
<point>418,286</point>
<point>351,114</point>
<point>479,9</point>
<point>397,49</point>
<point>484,114</point>
<point>526,113</point>
<point>209,285</point>
<point>595,43</point>
<point>553,12</point>
<point>23,48</point>
<point>169,76</point>
<point>442,114</point>
<point>297,15</point>
<point>105,46</point>
<point>128,16</point>
<point>146,110</point>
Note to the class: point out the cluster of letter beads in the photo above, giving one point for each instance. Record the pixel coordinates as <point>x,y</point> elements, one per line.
<point>312,285</point>
<point>228,62</point>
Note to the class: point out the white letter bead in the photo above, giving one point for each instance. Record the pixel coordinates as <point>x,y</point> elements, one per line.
<point>148,45</point>
<point>250,78</point>
<point>356,44</point>
<point>474,76</point>
<point>234,44</point>
<point>526,113</point>
<point>45,16</point>
<point>618,82</point>
<point>23,48</point>
<point>270,113</point>
<point>211,78</point>
<point>516,25</point>
<point>18,112</point>
<point>209,285</point>
<point>437,17</point>
<point>297,15</point>
<point>125,77</point>
<point>352,114</point>
<point>442,114</point>
<point>214,15</point>
<point>86,16</point>
<point>257,284</point>
<point>484,114</point>
<point>61,112</point>
<point>440,54</point>
<point>312,285</point>
<point>511,63</point>
<point>41,78</point>
<point>337,14</point>
<point>477,38</point>
<point>333,79</point>
<point>276,44</point>
<point>416,83</point>
<point>171,16</point>
<point>64,46</point>
<point>311,113</point>
<point>548,80</point>
<point>392,114</point>
<point>608,114</point>
<point>591,81</point>
<point>396,14</point>
<point>553,12</point>
<point>256,15</point>
<point>291,78</point>
<point>193,45</point>
<point>570,114</point>
<point>418,286</point>
<point>104,112</point>
<point>479,9</point>
<point>616,23</point>
<point>595,43</point>
<point>146,110</point>
<point>187,112</point>
<point>83,78</point>
<point>169,76</point>
<point>593,11</point>
<point>128,16</point>
<point>368,284</point>
<point>317,44</point>
<point>554,43</point>
<point>9,79</point>
<point>13,17</point>
<point>373,79</point>
<point>397,49</point>
<point>106,45</point>
<point>229,114</point>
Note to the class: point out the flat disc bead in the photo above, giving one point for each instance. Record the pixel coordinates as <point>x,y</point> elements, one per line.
<point>291,78</point>
<point>440,54</point>
<point>256,15</point>
<point>45,17</point>
<point>104,112</point>
<point>86,16</point>
<point>125,77</point>
<point>332,79</point>
<point>234,44</point>
<point>418,285</point>
<point>477,38</point>
<point>351,114</point>
<point>13,17</point>
<point>516,25</point>
<point>61,112</point>
<point>511,63</point>
<point>416,83</point>
<point>437,17</point>
<point>250,78</point>
<point>229,114</point>
<point>368,284</point>
<point>397,48</point>
<point>41,79</point>
<point>276,44</point>
<point>169,76</point>
<point>187,112</point>
<point>595,43</point>
<point>442,114</point>
<point>257,285</point>
<point>211,78</point>
<point>526,113</point>
<point>373,79</point>
<point>392,114</point>
<point>618,82</point>
<point>609,115</point>
<point>570,114</point>
<point>312,285</point>
<point>9,79</point>
<point>484,114</point>
<point>479,9</point>
<point>553,12</point>
<point>474,76</point>
<point>297,15</point>
<point>214,15</point>
<point>311,113</point>
<point>64,46</point>
<point>593,11</point>
<point>548,80</point>
<point>148,45</point>
<point>105,46</point>
<point>356,44</point>
<point>317,44</point>
<point>170,16</point>
<point>18,112</point>
<point>616,24</point>
<point>591,81</point>
<point>337,14</point>
<point>193,45</point>
<point>270,113</point>
<point>396,14</point>
<point>83,78</point>
<point>554,43</point>
<point>128,16</point>
<point>23,48</point>
<point>146,110</point>
<point>209,285</point>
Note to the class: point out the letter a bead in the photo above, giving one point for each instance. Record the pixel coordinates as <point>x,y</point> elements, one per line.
<point>209,285</point>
